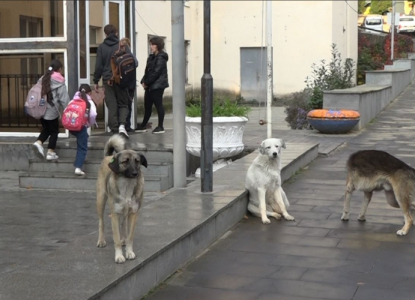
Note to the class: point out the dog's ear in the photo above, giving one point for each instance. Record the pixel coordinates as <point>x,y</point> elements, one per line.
<point>261,148</point>
<point>114,164</point>
<point>283,144</point>
<point>143,160</point>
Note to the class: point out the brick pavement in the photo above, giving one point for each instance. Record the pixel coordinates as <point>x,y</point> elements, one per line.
<point>318,256</point>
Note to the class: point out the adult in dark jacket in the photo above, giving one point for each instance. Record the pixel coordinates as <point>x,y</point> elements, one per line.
<point>154,81</point>
<point>116,98</point>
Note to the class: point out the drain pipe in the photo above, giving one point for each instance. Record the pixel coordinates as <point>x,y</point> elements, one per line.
<point>179,94</point>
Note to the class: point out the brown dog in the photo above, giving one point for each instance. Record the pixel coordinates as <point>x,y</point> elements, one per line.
<point>121,182</point>
<point>372,170</point>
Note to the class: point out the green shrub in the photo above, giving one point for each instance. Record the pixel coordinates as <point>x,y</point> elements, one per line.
<point>326,77</point>
<point>297,109</point>
<point>221,108</point>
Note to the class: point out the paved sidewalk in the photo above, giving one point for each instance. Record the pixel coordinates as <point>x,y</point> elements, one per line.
<point>318,256</point>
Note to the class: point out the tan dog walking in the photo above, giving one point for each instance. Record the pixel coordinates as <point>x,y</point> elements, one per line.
<point>121,182</point>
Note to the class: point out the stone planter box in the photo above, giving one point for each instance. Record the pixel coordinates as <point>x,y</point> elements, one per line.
<point>227,136</point>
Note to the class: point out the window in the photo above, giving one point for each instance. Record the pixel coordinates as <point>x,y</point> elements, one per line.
<point>31,65</point>
<point>29,19</point>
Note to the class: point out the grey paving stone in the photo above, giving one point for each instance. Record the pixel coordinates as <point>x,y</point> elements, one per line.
<point>220,281</point>
<point>303,289</point>
<point>190,293</point>
<point>369,293</point>
<point>385,281</point>
<point>322,263</point>
<point>290,273</point>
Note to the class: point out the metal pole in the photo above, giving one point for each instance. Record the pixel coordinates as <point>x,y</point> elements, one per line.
<point>206,153</point>
<point>179,94</point>
<point>269,68</point>
<point>393,30</point>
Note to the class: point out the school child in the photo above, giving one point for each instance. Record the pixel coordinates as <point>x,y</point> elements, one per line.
<point>82,135</point>
<point>53,85</point>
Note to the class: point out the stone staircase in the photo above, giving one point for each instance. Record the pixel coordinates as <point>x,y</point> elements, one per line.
<point>43,174</point>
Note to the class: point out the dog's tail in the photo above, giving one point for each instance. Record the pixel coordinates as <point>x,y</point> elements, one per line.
<point>115,144</point>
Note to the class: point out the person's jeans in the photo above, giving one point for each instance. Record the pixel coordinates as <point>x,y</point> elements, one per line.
<point>116,100</point>
<point>153,97</point>
<point>81,146</point>
<point>50,130</point>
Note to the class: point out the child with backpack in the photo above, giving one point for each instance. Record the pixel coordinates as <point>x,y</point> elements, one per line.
<point>54,93</point>
<point>78,116</point>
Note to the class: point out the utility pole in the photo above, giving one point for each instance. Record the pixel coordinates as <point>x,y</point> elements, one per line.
<point>393,30</point>
<point>179,94</point>
<point>206,153</point>
<point>269,68</point>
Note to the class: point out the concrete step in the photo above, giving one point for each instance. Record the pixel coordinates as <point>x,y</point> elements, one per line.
<point>70,181</point>
<point>91,166</point>
<point>162,155</point>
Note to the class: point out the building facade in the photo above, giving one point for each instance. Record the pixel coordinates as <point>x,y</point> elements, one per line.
<point>34,32</point>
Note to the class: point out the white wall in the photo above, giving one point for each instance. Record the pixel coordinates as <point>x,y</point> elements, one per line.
<point>303,32</point>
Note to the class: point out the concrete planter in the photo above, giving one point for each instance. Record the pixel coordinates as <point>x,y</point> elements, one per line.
<point>333,121</point>
<point>227,136</point>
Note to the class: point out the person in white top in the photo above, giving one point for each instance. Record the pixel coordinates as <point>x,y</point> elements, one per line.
<point>83,135</point>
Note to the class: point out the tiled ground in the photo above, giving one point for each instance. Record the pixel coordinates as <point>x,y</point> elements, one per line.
<point>318,256</point>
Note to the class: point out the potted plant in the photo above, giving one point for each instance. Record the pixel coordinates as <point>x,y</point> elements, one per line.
<point>229,119</point>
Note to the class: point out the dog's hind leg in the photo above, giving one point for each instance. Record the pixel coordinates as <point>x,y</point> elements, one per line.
<point>257,213</point>
<point>278,198</point>
<point>115,223</point>
<point>365,204</point>
<point>404,201</point>
<point>263,206</point>
<point>347,198</point>
<point>132,220</point>
<point>101,200</point>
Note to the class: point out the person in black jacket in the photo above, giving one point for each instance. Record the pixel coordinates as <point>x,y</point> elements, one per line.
<point>154,81</point>
<point>116,98</point>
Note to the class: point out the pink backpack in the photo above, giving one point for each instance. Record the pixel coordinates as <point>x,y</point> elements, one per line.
<point>36,103</point>
<point>75,116</point>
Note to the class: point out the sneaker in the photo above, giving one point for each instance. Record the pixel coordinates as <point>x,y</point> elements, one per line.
<point>38,149</point>
<point>78,171</point>
<point>122,131</point>
<point>158,130</point>
<point>141,128</point>
<point>130,130</point>
<point>51,156</point>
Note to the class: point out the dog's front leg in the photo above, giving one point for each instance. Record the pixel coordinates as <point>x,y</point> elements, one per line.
<point>278,198</point>
<point>115,223</point>
<point>101,200</point>
<point>132,220</point>
<point>263,206</point>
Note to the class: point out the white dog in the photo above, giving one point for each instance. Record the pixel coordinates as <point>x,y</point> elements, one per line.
<point>263,181</point>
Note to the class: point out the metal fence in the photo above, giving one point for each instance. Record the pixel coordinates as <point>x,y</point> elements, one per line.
<point>13,91</point>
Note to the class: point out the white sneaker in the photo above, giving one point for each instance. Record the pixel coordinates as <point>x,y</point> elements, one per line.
<point>38,149</point>
<point>78,171</point>
<point>122,131</point>
<point>51,156</point>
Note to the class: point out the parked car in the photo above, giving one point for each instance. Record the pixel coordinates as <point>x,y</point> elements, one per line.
<point>373,23</point>
<point>406,24</point>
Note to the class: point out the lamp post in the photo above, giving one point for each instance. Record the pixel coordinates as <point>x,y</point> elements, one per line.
<point>179,94</point>
<point>206,152</point>
<point>269,68</point>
